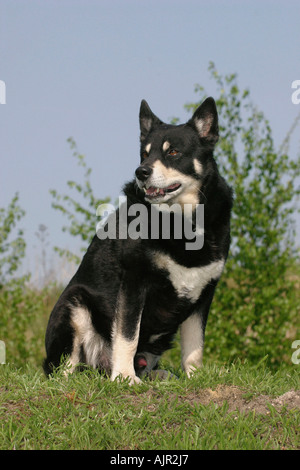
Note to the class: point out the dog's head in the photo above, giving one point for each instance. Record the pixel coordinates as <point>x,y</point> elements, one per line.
<point>174,158</point>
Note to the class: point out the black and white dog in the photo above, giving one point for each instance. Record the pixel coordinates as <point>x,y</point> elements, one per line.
<point>122,308</point>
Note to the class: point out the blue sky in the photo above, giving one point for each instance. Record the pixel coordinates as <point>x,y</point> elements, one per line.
<point>81,67</point>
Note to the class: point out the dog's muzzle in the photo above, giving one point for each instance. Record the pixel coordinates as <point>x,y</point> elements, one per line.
<point>154,189</point>
<point>143,172</point>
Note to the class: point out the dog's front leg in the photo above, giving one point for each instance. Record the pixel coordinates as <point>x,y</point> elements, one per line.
<point>192,333</point>
<point>126,328</point>
<point>192,342</point>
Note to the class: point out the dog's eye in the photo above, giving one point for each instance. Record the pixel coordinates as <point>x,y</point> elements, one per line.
<point>144,155</point>
<point>173,153</point>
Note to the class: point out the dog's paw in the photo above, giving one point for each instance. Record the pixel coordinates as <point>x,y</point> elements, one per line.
<point>133,379</point>
<point>190,370</point>
<point>192,362</point>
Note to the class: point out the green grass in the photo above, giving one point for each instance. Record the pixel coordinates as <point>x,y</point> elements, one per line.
<point>87,411</point>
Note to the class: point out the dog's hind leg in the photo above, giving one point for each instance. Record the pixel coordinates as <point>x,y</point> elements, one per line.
<point>74,358</point>
<point>89,346</point>
<point>59,338</point>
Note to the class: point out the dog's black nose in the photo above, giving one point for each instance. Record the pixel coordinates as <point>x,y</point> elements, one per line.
<point>143,172</point>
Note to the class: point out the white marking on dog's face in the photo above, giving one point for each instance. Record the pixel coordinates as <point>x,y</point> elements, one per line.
<point>192,342</point>
<point>154,338</point>
<point>198,167</point>
<point>148,148</point>
<point>189,282</point>
<point>166,145</point>
<point>163,177</point>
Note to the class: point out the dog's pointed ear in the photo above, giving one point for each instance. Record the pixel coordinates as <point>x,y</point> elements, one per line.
<point>148,120</point>
<point>205,121</point>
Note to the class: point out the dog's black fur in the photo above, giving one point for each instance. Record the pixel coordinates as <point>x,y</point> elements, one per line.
<point>128,293</point>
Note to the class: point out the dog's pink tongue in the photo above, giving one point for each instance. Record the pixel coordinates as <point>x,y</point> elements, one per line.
<point>155,191</point>
<point>142,362</point>
<point>173,186</point>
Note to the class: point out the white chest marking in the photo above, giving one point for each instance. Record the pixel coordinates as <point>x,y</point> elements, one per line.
<point>189,282</point>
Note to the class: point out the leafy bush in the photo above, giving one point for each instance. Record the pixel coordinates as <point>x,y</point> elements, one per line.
<point>24,314</point>
<point>11,250</point>
<point>23,311</point>
<point>82,215</point>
